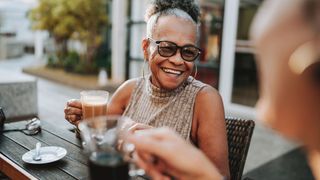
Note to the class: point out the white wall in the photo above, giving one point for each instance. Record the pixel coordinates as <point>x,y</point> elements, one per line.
<point>119,31</point>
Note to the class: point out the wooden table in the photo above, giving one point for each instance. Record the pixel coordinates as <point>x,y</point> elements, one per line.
<point>14,144</point>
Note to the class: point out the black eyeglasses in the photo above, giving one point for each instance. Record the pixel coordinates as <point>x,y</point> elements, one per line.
<point>167,49</point>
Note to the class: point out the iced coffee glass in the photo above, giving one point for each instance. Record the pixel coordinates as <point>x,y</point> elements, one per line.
<point>94,104</point>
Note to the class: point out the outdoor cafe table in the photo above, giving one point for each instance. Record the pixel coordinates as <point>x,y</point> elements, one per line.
<point>14,144</point>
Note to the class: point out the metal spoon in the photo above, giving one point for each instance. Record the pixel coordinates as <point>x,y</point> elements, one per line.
<point>32,127</point>
<point>36,156</point>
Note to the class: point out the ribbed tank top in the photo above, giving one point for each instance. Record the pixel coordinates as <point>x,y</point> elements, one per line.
<point>159,107</point>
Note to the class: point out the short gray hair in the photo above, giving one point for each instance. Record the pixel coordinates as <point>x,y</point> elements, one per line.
<point>152,21</point>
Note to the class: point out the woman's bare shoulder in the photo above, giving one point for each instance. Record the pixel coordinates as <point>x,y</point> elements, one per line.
<point>121,97</point>
<point>209,102</point>
<point>129,84</point>
<point>126,88</point>
<point>208,93</point>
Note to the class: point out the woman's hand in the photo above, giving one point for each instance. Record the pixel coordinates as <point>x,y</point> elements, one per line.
<point>128,126</point>
<point>73,111</point>
<point>138,126</point>
<point>162,153</point>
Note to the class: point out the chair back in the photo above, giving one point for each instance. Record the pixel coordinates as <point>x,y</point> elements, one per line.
<point>239,134</point>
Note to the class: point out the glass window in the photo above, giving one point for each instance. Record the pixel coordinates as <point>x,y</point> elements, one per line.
<point>245,84</point>
<point>210,41</point>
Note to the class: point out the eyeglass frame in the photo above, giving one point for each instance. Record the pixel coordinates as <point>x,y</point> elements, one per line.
<point>178,47</point>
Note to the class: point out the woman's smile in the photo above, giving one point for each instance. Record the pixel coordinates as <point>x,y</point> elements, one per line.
<point>172,71</point>
<point>170,75</point>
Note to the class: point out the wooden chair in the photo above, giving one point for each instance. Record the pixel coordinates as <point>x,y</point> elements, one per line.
<point>239,134</point>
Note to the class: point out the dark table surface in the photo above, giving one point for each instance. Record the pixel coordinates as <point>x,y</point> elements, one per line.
<point>14,144</point>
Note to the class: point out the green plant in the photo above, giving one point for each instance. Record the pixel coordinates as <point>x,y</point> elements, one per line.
<point>103,58</point>
<point>84,68</point>
<point>94,19</point>
<point>83,20</point>
<point>53,16</point>
<point>54,62</point>
<point>71,61</point>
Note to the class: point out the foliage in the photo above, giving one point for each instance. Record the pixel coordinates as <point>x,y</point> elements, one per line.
<point>89,30</point>
<point>82,68</point>
<point>54,62</point>
<point>74,64</point>
<point>103,58</point>
<point>71,61</point>
<point>82,20</point>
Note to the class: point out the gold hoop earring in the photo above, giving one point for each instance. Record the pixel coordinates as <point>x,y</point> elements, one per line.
<point>196,71</point>
<point>143,66</point>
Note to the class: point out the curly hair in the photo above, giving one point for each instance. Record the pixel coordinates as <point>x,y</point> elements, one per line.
<point>191,7</point>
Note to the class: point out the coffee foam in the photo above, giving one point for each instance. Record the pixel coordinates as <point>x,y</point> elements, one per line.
<point>95,101</point>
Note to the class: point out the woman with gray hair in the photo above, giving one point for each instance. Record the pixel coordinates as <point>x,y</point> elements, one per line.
<point>170,96</point>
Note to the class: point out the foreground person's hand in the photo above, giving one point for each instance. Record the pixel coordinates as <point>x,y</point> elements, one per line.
<point>73,111</point>
<point>130,126</point>
<point>162,153</point>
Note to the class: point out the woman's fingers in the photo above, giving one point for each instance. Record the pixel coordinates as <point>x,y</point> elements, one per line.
<point>151,141</point>
<point>73,119</point>
<point>71,110</point>
<point>139,126</point>
<point>159,134</point>
<point>74,103</point>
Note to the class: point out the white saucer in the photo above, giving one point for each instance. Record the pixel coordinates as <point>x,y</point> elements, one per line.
<point>48,154</point>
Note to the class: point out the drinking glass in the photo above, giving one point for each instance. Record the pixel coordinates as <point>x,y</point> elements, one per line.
<point>94,104</point>
<point>102,141</point>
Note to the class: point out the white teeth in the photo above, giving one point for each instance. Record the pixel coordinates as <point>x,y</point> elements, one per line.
<point>172,71</point>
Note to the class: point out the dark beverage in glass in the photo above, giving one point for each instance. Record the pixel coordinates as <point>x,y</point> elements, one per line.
<point>108,166</point>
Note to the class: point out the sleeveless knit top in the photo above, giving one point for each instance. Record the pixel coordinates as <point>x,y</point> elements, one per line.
<point>158,107</point>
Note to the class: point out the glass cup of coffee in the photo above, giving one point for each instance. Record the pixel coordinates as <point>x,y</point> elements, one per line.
<point>94,104</point>
<point>102,140</point>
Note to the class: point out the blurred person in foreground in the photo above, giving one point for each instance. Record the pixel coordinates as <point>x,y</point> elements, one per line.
<point>170,96</point>
<point>286,35</point>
